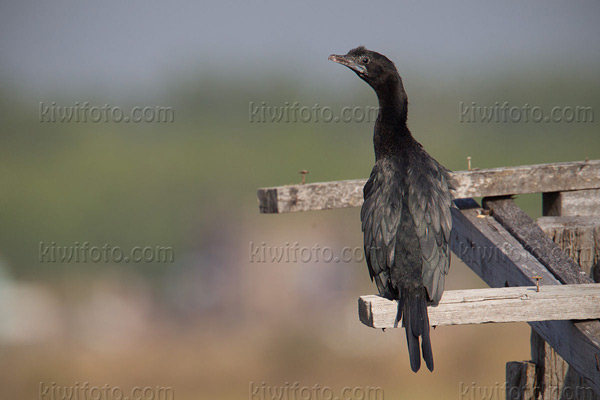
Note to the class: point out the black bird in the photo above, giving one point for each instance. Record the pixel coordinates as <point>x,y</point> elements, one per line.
<point>405,217</point>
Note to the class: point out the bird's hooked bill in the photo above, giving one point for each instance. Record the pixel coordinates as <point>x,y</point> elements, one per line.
<point>348,62</point>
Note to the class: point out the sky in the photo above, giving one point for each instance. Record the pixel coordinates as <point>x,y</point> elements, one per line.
<point>119,45</point>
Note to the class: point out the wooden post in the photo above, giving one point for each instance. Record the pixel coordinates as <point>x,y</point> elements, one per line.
<point>520,380</point>
<point>555,378</point>
<point>573,223</point>
<point>575,228</point>
<point>579,238</point>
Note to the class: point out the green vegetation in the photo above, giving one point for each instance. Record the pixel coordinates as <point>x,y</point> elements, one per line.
<point>166,183</point>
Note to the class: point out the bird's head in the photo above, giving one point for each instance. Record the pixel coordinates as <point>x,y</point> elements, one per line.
<point>374,68</point>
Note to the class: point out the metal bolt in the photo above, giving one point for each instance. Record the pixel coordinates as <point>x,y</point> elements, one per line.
<point>537,282</point>
<point>303,173</point>
<point>469,163</point>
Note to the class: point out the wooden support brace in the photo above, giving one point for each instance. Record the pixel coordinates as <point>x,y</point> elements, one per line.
<point>533,238</point>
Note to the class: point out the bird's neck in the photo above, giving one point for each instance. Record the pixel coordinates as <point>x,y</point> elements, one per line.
<point>391,132</point>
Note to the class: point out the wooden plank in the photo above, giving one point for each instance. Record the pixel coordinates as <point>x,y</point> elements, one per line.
<point>561,222</point>
<point>491,251</point>
<point>578,237</point>
<point>512,265</point>
<point>312,196</point>
<point>476,183</point>
<point>572,203</point>
<point>497,305</point>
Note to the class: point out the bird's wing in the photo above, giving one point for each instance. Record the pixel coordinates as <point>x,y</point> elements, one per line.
<point>429,202</point>
<point>380,216</point>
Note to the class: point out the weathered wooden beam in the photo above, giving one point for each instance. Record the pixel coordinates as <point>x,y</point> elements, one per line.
<point>476,183</point>
<point>491,251</point>
<point>496,305</point>
<point>473,234</point>
<point>571,222</point>
<point>571,203</point>
<point>312,196</point>
<point>530,235</point>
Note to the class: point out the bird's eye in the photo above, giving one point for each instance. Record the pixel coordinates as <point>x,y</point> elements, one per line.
<point>365,60</point>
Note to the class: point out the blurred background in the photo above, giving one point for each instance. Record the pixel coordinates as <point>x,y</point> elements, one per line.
<point>216,321</point>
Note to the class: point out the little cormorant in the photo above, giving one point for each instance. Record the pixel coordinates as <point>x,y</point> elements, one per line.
<point>406,217</point>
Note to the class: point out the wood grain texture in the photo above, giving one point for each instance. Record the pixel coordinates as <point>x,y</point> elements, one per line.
<point>496,305</point>
<point>312,196</point>
<point>491,251</point>
<point>520,380</point>
<point>532,237</point>
<point>572,203</point>
<point>556,379</point>
<point>578,237</point>
<point>584,354</point>
<point>511,265</point>
<point>575,235</point>
<point>554,177</point>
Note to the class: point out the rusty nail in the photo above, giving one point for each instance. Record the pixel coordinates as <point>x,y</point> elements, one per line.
<point>469,163</point>
<point>537,282</point>
<point>303,173</point>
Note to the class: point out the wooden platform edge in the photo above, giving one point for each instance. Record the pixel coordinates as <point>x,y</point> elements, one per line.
<point>494,305</point>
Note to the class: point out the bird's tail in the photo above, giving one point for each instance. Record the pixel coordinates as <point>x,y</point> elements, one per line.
<point>412,309</point>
